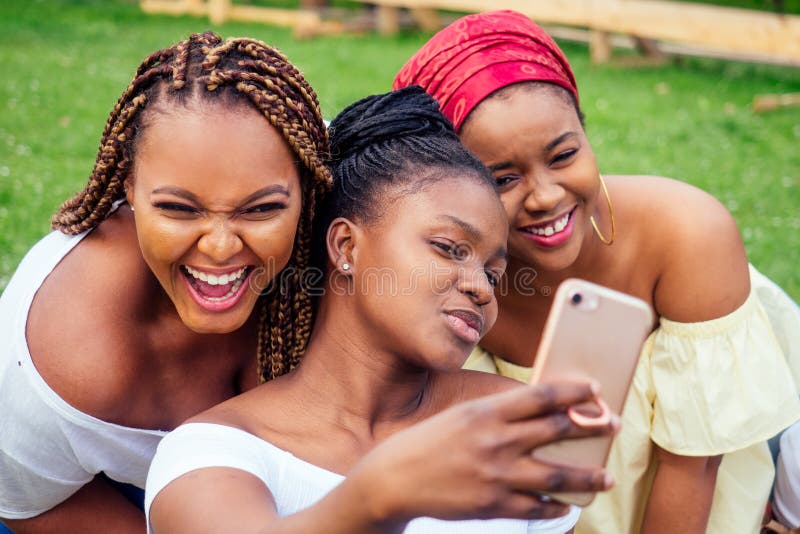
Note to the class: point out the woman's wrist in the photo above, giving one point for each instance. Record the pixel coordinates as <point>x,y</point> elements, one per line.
<point>382,509</point>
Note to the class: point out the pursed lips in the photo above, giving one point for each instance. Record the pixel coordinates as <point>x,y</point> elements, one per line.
<point>471,318</point>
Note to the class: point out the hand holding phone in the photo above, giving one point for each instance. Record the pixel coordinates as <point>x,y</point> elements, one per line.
<point>592,333</point>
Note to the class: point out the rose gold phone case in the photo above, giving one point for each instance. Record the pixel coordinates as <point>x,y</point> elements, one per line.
<point>598,338</point>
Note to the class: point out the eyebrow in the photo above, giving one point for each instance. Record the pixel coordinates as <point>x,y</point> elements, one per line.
<point>500,166</point>
<point>503,165</point>
<point>476,234</point>
<point>555,142</point>
<point>464,225</point>
<point>264,191</point>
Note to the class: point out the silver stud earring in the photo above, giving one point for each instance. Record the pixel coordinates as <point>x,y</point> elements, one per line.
<point>345,266</point>
<point>132,208</point>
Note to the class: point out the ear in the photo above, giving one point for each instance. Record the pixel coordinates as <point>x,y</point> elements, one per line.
<point>342,242</point>
<point>128,185</point>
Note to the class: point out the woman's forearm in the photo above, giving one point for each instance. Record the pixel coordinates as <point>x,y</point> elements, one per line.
<point>219,499</point>
<point>351,507</point>
<point>95,508</point>
<point>682,493</point>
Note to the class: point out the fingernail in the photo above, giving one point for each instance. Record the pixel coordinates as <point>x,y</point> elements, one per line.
<point>608,480</point>
<point>594,387</point>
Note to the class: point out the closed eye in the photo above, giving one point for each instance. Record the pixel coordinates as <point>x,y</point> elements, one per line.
<point>564,156</point>
<point>263,211</point>
<point>176,207</point>
<point>493,277</point>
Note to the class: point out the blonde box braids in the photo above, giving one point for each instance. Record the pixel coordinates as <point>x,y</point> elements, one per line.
<point>231,71</point>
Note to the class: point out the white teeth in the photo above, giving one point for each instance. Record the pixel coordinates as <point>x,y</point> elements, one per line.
<point>554,228</point>
<point>234,288</point>
<point>215,280</point>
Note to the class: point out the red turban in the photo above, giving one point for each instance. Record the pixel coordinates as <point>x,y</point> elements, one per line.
<point>478,54</point>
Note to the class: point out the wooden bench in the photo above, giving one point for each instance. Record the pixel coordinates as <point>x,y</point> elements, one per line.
<point>747,33</point>
<point>655,27</point>
<point>219,11</point>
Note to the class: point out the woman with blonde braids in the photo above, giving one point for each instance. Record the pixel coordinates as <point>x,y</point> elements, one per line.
<point>149,301</point>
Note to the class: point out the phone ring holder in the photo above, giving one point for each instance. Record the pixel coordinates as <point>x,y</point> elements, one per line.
<point>593,421</point>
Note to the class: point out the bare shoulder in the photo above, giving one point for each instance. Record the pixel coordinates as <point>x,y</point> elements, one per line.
<point>702,265</point>
<point>468,384</point>
<point>673,200</point>
<point>245,411</point>
<point>81,325</point>
<point>234,412</point>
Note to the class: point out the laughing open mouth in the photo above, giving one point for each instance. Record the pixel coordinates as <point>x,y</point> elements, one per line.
<point>215,287</point>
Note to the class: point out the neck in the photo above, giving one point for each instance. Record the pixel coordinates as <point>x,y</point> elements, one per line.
<point>361,385</point>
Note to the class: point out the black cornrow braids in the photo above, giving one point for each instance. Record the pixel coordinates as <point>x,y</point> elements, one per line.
<point>397,139</point>
<point>230,72</point>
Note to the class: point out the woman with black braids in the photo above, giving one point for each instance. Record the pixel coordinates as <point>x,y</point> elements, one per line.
<point>415,246</point>
<point>146,305</point>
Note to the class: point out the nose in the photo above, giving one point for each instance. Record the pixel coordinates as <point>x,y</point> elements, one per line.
<point>475,284</point>
<point>544,194</point>
<point>220,241</point>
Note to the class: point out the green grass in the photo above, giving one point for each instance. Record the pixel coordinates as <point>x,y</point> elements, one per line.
<point>775,6</point>
<point>66,62</point>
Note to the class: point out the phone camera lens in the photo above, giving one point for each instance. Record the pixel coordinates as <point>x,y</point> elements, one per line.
<point>576,298</point>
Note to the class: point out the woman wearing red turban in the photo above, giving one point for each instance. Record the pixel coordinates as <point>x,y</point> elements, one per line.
<point>713,383</point>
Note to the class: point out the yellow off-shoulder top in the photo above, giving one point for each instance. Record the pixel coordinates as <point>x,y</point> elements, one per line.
<point>722,386</point>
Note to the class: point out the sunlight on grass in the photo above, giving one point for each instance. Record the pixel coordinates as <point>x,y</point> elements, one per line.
<point>66,63</point>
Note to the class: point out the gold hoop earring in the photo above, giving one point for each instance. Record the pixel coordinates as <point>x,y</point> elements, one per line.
<point>610,211</point>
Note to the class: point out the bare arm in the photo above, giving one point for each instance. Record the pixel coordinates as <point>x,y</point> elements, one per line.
<point>704,269</point>
<point>682,492</point>
<point>705,276</point>
<point>216,499</point>
<point>471,461</point>
<point>96,507</point>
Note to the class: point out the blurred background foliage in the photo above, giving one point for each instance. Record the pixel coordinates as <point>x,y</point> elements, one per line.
<point>65,63</point>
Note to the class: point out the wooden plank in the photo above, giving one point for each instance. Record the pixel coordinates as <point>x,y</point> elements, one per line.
<point>290,18</point>
<point>600,47</point>
<point>724,28</point>
<point>762,103</point>
<point>387,19</point>
<point>579,35</point>
<point>427,18</point>
<point>173,7</point>
<point>218,10</point>
<point>221,10</point>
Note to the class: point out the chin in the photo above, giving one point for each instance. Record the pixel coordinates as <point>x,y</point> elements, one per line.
<point>450,361</point>
<point>213,324</point>
<point>547,261</point>
<point>556,263</point>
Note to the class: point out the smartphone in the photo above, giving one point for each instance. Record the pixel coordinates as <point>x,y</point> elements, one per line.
<point>591,333</point>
